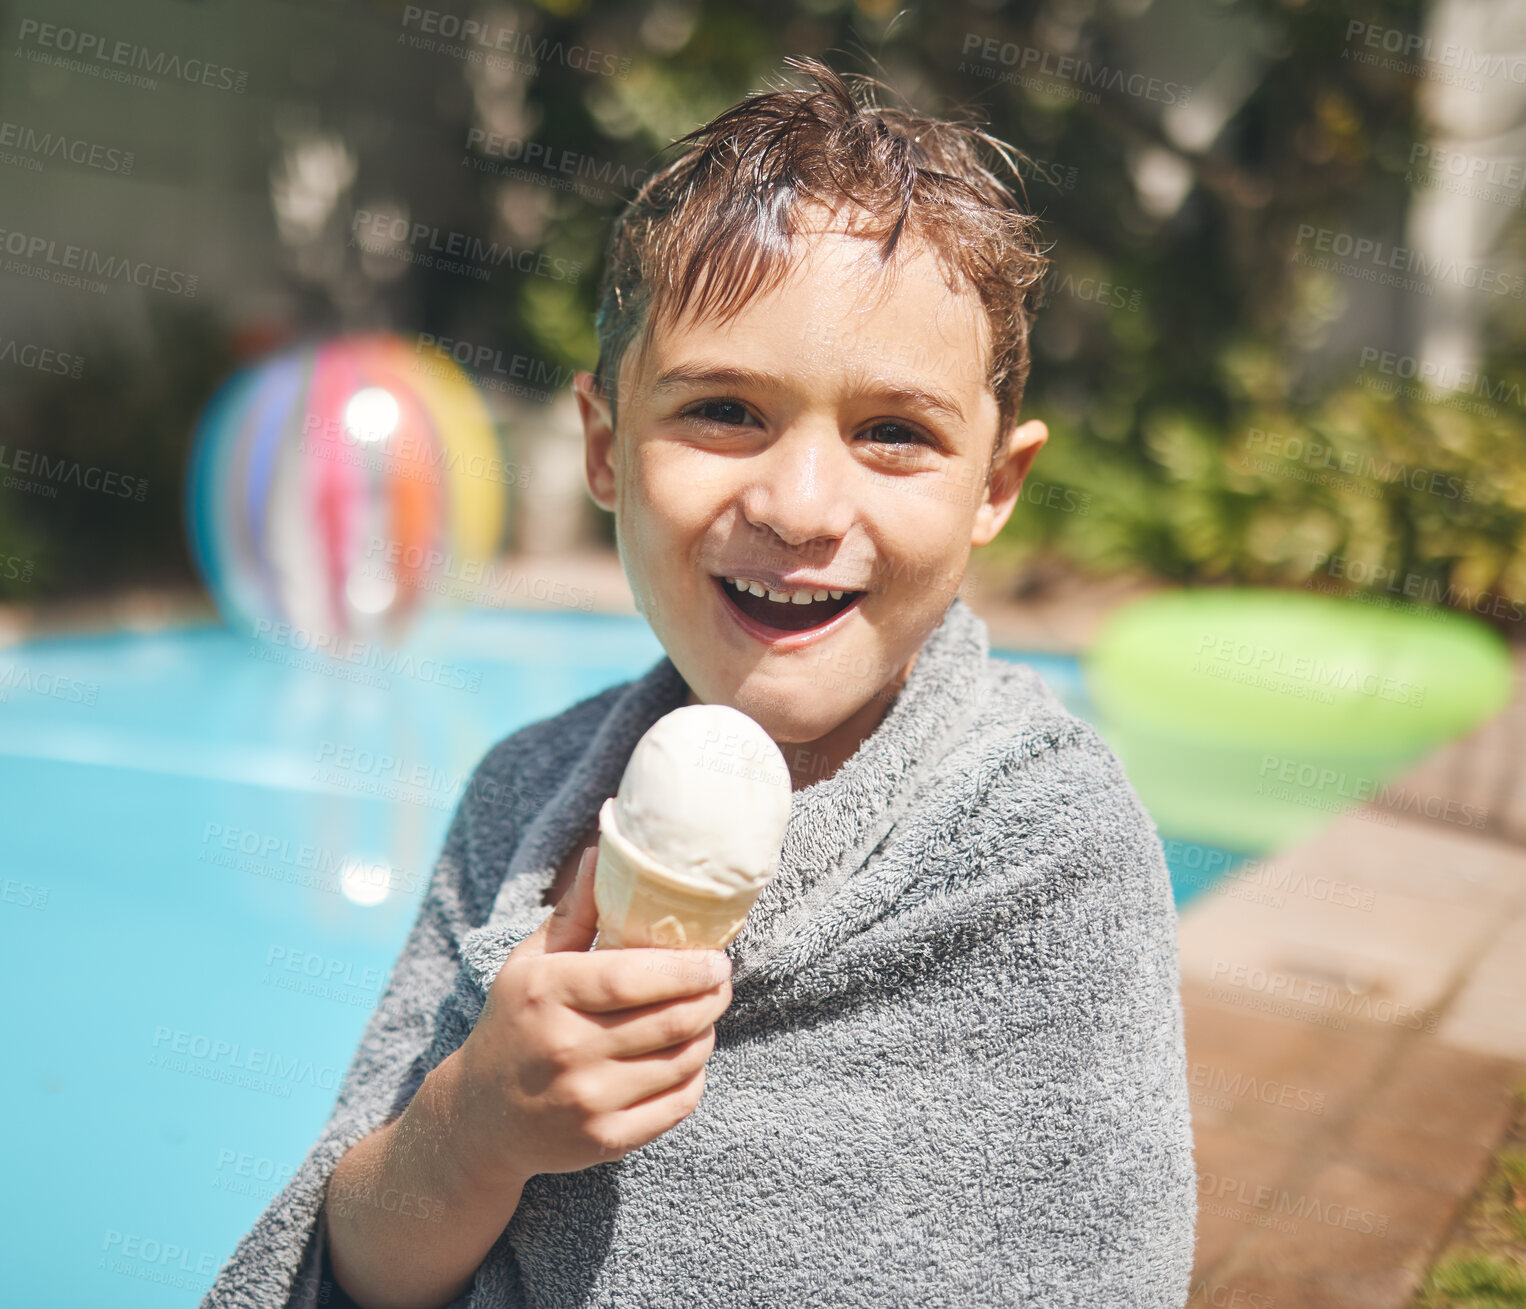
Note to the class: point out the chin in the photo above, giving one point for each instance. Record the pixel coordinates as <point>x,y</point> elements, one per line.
<point>794,715</point>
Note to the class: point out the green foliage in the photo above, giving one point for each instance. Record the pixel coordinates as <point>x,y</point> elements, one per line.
<point>1407,501</point>
<point>1484,1266</point>
<point>1174,331</point>
<point>1475,1282</point>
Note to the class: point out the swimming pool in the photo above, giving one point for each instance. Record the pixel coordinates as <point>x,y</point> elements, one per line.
<point>212,852</point>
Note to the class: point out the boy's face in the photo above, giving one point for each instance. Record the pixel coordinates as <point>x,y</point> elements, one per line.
<point>834,435</point>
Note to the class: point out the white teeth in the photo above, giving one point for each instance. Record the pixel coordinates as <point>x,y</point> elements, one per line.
<point>804,597</point>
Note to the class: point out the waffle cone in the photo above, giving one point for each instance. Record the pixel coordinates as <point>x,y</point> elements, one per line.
<point>641,904</point>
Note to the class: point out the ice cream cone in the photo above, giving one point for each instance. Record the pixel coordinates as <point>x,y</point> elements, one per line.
<point>642,903</point>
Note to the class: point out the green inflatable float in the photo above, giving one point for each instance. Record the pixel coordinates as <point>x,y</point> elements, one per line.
<point>1250,718</point>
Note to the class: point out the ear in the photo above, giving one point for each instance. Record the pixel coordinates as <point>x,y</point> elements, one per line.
<point>1012,464</point>
<point>598,440</point>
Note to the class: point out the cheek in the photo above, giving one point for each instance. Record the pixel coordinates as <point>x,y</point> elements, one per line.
<point>647,480</point>
<point>924,530</point>
<point>684,485</point>
<point>664,510</point>
<point>920,580</point>
<point>641,502</point>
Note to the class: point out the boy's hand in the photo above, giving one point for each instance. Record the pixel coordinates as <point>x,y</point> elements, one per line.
<point>582,1056</point>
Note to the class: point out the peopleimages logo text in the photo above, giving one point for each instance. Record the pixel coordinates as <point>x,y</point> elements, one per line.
<point>482,36</point>
<point>1070,68</point>
<point>100,50</point>
<point>434,242</point>
<point>1305,668</point>
<point>1443,376</point>
<point>353,650</point>
<point>39,358</point>
<point>58,145</point>
<point>1448,54</point>
<point>1369,253</point>
<point>70,472</point>
<point>92,263</point>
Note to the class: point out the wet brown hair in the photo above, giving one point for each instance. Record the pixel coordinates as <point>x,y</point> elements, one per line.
<point>713,227</point>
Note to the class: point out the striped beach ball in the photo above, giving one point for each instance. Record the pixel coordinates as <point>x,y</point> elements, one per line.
<point>335,487</point>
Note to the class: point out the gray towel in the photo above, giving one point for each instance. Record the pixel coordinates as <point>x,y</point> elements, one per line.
<point>952,1073</point>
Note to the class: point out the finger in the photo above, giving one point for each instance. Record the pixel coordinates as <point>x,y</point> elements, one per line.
<point>574,922</point>
<point>604,981</point>
<point>645,1121</point>
<point>625,1082</point>
<point>632,1032</point>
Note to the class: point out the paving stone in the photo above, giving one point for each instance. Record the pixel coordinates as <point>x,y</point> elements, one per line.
<point>1504,965</point>
<point>1353,1233</point>
<point>1389,1149</point>
<point>1449,1092</point>
<point>1488,1020</point>
<point>1449,863</point>
<point>1255,1289</point>
<point>1266,1074</point>
<point>1404,950</point>
<point>1483,769</point>
<point>1227,1157</point>
<point>1488,1015</point>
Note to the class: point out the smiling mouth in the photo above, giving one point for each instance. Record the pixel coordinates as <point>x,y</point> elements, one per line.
<point>786,615</point>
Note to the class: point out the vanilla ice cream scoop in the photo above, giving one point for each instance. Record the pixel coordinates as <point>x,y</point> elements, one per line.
<point>706,795</point>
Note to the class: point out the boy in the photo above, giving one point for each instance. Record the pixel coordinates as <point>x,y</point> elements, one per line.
<point>943,1063</point>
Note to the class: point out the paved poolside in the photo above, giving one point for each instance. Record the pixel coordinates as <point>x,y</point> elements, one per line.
<point>1354,1036</point>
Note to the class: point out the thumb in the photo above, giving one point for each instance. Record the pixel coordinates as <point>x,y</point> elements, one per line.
<point>574,922</point>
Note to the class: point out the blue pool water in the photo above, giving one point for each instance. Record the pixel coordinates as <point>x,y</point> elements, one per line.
<point>209,861</point>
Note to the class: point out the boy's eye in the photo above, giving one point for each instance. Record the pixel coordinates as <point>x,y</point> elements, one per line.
<point>729,413</point>
<point>733,413</point>
<point>898,434</point>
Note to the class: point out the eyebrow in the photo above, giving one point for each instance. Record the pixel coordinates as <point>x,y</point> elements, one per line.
<point>691,375</point>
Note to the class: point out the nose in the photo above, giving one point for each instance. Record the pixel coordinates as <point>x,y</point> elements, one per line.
<point>799,487</point>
